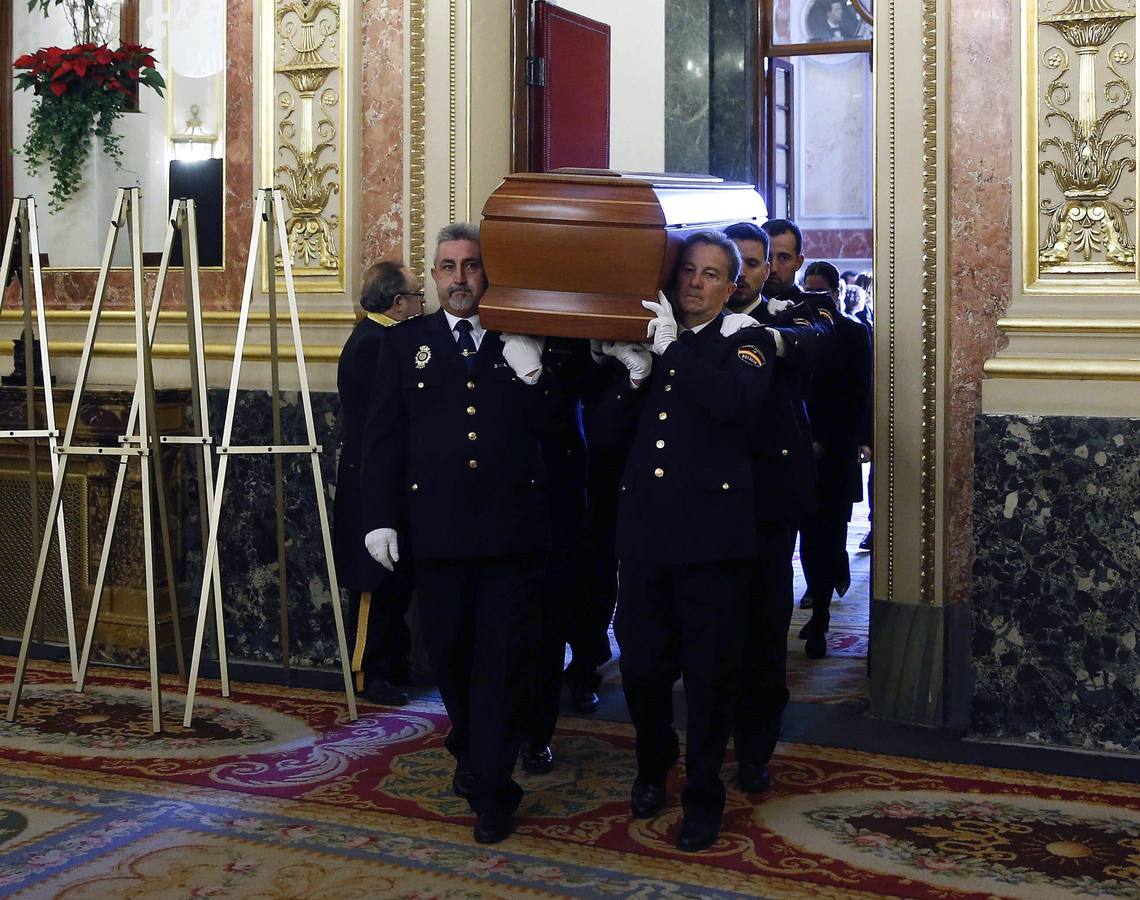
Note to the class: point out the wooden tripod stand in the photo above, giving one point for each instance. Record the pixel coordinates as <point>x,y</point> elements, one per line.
<point>269,212</point>
<point>23,221</point>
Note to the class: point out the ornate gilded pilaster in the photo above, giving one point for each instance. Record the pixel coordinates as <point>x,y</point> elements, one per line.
<point>304,132</point>
<point>1074,308</point>
<point>1085,147</point>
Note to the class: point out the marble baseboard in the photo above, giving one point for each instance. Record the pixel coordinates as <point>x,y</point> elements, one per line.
<point>248,543</point>
<point>1056,580</point>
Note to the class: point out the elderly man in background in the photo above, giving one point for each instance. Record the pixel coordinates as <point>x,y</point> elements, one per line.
<point>378,599</point>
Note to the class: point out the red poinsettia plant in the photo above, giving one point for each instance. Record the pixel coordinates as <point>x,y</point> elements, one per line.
<point>82,91</point>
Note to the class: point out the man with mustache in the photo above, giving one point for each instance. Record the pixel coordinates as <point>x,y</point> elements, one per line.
<point>456,433</point>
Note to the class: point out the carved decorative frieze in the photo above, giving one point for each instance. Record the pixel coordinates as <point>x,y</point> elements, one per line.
<point>1084,140</point>
<point>304,134</point>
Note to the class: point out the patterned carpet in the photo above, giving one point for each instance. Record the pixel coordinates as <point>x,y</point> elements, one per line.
<point>275,794</point>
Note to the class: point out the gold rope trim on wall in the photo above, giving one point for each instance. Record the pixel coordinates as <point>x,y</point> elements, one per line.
<point>892,321</point>
<point>452,90</point>
<point>417,118</point>
<point>928,508</point>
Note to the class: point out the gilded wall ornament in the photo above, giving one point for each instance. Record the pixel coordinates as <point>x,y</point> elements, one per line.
<point>1088,230</point>
<point>307,142</point>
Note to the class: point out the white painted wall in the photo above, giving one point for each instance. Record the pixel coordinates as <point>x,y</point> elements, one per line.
<point>637,78</point>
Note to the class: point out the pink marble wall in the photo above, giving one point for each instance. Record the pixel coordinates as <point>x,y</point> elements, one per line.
<point>382,134</point>
<point>980,269</point>
<point>382,131</point>
<point>220,290</point>
<point>838,243</point>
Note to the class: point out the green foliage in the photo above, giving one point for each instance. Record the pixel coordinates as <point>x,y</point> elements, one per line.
<point>60,135</point>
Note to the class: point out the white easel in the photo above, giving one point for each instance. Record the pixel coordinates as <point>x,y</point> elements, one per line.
<point>269,212</point>
<point>145,445</point>
<point>23,219</point>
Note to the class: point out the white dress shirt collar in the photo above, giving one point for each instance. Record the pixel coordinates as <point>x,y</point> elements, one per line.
<point>477,329</point>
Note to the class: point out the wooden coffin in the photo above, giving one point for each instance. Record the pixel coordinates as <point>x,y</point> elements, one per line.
<point>572,253</point>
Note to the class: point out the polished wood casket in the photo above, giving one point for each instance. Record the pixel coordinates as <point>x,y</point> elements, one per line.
<point>573,252</point>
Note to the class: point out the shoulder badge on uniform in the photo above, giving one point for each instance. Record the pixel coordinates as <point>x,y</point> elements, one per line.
<point>423,356</point>
<point>803,323</point>
<point>826,313</point>
<point>751,354</point>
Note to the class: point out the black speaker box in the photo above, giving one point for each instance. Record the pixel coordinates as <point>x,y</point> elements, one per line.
<point>200,180</point>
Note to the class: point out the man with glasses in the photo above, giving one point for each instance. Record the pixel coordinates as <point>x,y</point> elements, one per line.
<point>378,599</point>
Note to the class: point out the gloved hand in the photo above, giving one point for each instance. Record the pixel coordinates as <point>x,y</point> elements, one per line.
<point>383,547</point>
<point>597,353</point>
<point>635,357</point>
<point>777,306</point>
<point>663,329</point>
<point>733,322</point>
<point>523,353</point>
<point>778,338</point>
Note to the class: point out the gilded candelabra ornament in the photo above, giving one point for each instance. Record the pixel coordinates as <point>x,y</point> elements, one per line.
<point>307,133</point>
<point>1088,222</point>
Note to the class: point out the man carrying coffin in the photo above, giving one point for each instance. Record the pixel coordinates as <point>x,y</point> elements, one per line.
<point>686,529</point>
<point>456,429</point>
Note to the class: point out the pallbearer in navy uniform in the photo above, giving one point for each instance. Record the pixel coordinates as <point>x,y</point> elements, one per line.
<point>785,481</point>
<point>458,427</point>
<point>686,527</point>
<point>378,599</point>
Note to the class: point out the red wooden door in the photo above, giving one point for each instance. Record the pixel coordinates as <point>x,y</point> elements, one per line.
<point>570,85</point>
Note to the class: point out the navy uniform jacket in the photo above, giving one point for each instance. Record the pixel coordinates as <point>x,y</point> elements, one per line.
<point>356,570</point>
<point>837,404</point>
<point>687,488</point>
<point>785,465</point>
<point>463,447</point>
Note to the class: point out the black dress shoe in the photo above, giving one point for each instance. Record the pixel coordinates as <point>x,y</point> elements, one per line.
<point>462,782</point>
<point>492,827</point>
<point>807,630</point>
<point>806,601</point>
<point>815,647</point>
<point>753,778</point>
<point>867,543</point>
<point>584,699</point>
<point>646,800</point>
<point>381,691</point>
<point>697,834</point>
<point>537,759</point>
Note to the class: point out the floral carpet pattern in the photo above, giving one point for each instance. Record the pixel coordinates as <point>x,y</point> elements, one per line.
<point>274,793</point>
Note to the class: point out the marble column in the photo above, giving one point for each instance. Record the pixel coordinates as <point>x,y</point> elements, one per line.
<point>687,86</point>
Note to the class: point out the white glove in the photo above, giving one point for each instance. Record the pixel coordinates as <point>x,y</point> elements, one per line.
<point>383,547</point>
<point>597,352</point>
<point>523,353</point>
<point>777,306</point>
<point>733,322</point>
<point>635,357</point>
<point>779,339</point>
<point>663,329</point>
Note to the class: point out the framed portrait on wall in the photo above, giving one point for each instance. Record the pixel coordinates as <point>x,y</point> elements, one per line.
<point>833,20</point>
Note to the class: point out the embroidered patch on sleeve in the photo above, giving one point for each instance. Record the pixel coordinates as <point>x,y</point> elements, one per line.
<point>827,315</point>
<point>804,323</point>
<point>751,354</point>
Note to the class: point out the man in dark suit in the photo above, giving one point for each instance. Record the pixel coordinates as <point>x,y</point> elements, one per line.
<point>457,427</point>
<point>785,487</point>
<point>686,527</point>
<point>837,404</point>
<point>378,599</point>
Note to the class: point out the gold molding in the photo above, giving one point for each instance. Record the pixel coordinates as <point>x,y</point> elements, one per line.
<point>210,317</point>
<point>930,249</point>
<point>1053,368</point>
<point>1069,326</point>
<point>297,124</point>
<point>452,94</point>
<point>889,284</point>
<point>417,173</point>
<point>318,353</point>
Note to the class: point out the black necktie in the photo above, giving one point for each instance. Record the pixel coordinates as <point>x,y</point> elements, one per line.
<point>466,343</point>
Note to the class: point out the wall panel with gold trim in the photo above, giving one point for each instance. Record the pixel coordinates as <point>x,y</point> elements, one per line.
<point>1075,307</point>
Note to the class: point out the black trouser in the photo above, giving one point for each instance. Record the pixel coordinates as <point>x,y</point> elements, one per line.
<point>480,621</point>
<point>823,555</point>
<point>764,673</point>
<point>387,639</point>
<point>559,597</point>
<point>682,620</point>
